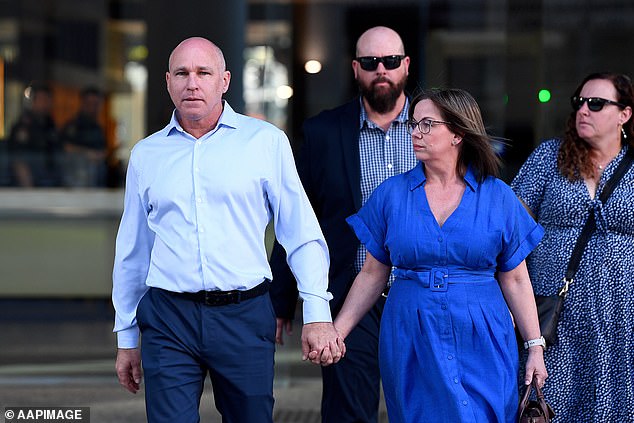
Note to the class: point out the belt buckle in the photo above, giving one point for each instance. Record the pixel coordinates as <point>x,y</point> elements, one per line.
<point>438,279</point>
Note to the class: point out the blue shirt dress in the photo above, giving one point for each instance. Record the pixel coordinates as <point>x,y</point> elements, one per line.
<point>447,350</point>
<point>591,369</point>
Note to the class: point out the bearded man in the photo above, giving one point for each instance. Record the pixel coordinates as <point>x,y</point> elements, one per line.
<point>347,152</point>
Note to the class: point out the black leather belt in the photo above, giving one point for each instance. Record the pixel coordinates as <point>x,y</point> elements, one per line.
<point>220,298</point>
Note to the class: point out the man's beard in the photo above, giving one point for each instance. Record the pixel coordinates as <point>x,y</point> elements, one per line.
<point>382,100</point>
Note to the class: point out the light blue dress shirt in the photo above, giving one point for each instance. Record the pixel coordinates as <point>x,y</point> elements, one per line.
<point>195,214</point>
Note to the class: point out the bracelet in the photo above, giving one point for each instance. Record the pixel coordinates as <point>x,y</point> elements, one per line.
<point>534,342</point>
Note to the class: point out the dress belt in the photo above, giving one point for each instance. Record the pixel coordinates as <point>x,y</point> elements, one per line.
<point>220,298</point>
<point>437,278</point>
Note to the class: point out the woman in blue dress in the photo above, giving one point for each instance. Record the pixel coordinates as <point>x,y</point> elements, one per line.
<point>592,365</point>
<point>457,238</point>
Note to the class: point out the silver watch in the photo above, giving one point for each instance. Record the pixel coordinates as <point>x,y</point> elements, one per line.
<point>534,342</point>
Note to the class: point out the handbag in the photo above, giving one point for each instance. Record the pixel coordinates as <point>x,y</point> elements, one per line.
<point>549,307</point>
<point>534,411</point>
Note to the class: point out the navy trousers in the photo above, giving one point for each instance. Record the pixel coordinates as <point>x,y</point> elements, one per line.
<point>352,387</point>
<point>183,340</point>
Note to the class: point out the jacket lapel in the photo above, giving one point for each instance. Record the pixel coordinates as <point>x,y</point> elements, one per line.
<point>349,130</point>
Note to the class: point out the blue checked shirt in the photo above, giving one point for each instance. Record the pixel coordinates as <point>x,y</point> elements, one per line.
<point>382,154</point>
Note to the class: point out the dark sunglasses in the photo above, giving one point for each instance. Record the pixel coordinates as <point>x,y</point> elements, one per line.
<point>370,63</point>
<point>595,104</point>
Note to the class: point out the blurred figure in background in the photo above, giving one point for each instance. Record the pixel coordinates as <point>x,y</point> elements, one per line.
<point>33,143</point>
<point>84,144</point>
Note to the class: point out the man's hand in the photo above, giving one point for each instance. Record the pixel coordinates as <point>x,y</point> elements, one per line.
<point>283,325</point>
<point>128,368</point>
<point>321,344</point>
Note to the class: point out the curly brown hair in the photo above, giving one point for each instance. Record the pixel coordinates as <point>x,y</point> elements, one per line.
<point>572,159</point>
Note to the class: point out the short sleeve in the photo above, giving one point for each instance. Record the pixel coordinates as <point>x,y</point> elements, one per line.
<point>531,180</point>
<point>370,227</point>
<point>521,233</point>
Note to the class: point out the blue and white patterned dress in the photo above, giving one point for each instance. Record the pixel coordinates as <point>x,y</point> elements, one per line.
<point>592,368</point>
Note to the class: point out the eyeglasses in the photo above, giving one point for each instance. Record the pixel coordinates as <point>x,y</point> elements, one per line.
<point>370,63</point>
<point>595,104</point>
<point>424,125</point>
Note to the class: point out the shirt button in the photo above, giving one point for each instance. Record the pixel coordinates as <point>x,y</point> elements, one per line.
<point>464,402</point>
<point>197,169</point>
<point>439,239</point>
<point>450,357</point>
<point>201,230</point>
<point>200,200</point>
<point>387,138</point>
<point>456,380</point>
<point>389,166</point>
<point>444,306</point>
<point>198,142</point>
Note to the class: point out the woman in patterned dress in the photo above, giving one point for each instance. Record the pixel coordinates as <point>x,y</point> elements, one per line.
<point>447,348</point>
<point>592,366</point>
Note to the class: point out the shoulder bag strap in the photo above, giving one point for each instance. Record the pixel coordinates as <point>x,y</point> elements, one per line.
<point>587,230</point>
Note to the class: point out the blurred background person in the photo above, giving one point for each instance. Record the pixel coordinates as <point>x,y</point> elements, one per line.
<point>457,238</point>
<point>33,143</point>
<point>84,143</point>
<point>592,366</point>
<point>347,152</point>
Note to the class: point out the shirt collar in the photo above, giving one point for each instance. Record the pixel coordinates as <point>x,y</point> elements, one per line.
<point>417,178</point>
<point>228,118</point>
<point>363,116</point>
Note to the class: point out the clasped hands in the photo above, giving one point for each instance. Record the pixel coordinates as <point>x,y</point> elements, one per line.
<point>321,343</point>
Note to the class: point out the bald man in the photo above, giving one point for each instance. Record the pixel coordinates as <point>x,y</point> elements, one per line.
<point>191,272</point>
<point>347,152</point>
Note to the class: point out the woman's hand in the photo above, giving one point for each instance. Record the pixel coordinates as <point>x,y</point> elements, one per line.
<point>535,367</point>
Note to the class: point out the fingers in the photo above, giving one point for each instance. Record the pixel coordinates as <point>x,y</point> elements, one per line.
<point>306,350</point>
<point>321,344</point>
<point>128,367</point>
<point>342,346</point>
<point>129,379</point>
<point>279,329</point>
<point>532,374</point>
<point>288,326</point>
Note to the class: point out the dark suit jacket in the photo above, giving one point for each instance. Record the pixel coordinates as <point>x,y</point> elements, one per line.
<point>330,170</point>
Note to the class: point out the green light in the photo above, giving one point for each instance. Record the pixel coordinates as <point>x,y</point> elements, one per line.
<point>544,96</point>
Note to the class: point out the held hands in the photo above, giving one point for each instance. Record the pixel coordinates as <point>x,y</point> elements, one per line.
<point>321,344</point>
<point>535,367</point>
<point>128,368</point>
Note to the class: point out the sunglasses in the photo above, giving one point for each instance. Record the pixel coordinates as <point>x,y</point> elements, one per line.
<point>595,104</point>
<point>370,63</point>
